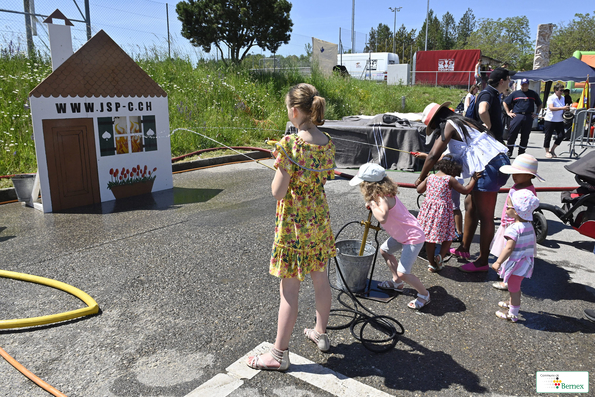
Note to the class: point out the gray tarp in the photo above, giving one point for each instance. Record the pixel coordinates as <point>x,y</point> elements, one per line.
<point>358,140</point>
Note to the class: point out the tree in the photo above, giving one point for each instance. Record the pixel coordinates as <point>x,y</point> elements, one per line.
<point>578,34</point>
<point>505,40</point>
<point>405,41</point>
<point>465,27</point>
<point>237,24</point>
<point>434,33</point>
<point>380,39</point>
<point>448,38</point>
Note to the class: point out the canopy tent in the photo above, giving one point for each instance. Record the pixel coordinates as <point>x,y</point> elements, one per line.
<point>570,69</point>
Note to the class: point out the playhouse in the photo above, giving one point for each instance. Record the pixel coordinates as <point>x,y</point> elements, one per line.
<point>100,124</point>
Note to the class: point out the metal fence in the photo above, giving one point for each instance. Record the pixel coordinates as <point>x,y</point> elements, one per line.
<point>143,28</point>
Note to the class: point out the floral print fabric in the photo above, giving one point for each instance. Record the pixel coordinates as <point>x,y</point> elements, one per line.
<point>435,215</point>
<point>304,241</point>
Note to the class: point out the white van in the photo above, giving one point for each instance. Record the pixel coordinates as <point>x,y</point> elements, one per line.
<point>368,66</point>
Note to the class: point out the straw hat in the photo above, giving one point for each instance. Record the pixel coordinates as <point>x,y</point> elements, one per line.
<point>522,164</point>
<point>428,115</point>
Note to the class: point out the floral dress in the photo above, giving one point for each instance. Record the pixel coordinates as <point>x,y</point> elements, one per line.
<point>304,241</point>
<point>435,216</point>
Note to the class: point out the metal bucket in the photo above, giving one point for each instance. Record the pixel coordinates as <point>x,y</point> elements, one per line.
<point>23,186</point>
<point>354,268</point>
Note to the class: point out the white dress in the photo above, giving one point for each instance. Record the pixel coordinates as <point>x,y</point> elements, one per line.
<point>474,151</point>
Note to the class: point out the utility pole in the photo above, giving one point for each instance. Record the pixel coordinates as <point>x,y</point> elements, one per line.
<point>88,19</point>
<point>395,10</point>
<point>30,45</point>
<point>353,26</point>
<point>427,23</point>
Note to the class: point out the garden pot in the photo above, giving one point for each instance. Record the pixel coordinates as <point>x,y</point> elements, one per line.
<point>23,186</point>
<point>134,189</point>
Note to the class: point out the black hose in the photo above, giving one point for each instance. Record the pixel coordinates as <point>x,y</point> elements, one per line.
<point>361,318</point>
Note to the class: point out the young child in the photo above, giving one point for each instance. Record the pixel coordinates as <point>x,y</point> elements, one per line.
<point>304,241</point>
<point>516,260</point>
<point>379,193</point>
<point>436,213</point>
<point>523,169</point>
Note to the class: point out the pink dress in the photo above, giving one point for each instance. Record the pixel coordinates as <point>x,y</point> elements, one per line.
<point>435,216</point>
<point>499,241</point>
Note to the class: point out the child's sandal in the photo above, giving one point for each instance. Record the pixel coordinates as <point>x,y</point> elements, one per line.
<point>281,356</point>
<point>321,340</point>
<point>507,316</point>
<point>439,264</point>
<point>504,305</point>
<point>417,304</point>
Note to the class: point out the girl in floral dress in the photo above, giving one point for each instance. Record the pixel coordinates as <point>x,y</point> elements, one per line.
<point>304,241</point>
<point>436,213</point>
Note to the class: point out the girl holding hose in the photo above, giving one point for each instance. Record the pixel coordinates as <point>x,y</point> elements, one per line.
<point>304,241</point>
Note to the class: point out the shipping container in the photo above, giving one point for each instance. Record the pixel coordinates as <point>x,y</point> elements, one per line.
<point>445,67</point>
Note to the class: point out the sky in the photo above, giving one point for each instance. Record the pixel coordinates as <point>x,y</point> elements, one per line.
<point>138,22</point>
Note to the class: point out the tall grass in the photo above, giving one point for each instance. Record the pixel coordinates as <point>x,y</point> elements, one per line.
<point>232,105</point>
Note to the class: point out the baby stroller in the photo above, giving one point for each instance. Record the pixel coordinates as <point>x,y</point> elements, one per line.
<point>578,206</point>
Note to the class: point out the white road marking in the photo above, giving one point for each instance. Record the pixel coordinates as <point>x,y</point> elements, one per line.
<point>301,368</point>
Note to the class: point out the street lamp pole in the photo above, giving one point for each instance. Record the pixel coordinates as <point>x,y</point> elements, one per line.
<point>395,10</point>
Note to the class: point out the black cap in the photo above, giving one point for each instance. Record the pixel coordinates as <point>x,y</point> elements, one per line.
<point>499,74</point>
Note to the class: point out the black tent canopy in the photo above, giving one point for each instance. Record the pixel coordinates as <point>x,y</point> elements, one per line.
<point>570,69</point>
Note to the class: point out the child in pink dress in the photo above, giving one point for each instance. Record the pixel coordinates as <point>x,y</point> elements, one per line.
<point>523,170</point>
<point>516,260</point>
<point>436,213</point>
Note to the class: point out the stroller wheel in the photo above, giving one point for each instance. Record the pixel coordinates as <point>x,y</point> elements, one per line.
<point>540,226</point>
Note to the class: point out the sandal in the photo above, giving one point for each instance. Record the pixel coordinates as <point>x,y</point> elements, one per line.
<point>501,285</point>
<point>507,316</point>
<point>439,264</point>
<point>417,304</point>
<point>548,155</point>
<point>505,305</point>
<point>321,340</point>
<point>281,356</point>
<point>392,285</point>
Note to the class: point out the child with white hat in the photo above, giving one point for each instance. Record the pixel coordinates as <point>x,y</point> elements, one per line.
<point>516,260</point>
<point>523,170</point>
<point>406,235</point>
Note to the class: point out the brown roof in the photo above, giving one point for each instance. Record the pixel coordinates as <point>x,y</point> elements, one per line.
<point>100,68</point>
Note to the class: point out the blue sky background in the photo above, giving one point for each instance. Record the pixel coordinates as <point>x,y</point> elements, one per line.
<point>139,25</point>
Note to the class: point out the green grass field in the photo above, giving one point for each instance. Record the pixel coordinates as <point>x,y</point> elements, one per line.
<point>233,105</point>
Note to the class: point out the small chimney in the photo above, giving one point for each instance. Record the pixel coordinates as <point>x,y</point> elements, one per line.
<point>60,39</point>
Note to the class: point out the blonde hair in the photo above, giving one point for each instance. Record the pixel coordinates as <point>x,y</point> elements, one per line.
<point>306,98</point>
<point>384,188</point>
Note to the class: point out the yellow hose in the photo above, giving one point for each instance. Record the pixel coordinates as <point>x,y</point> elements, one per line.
<point>92,307</point>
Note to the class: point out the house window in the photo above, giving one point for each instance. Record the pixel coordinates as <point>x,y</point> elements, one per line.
<point>126,134</point>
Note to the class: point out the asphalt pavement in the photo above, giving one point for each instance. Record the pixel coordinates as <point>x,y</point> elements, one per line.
<point>181,279</point>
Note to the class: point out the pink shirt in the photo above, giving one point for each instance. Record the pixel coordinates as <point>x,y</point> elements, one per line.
<point>402,226</point>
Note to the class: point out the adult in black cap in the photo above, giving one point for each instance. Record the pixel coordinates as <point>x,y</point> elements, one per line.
<point>520,106</point>
<point>475,147</point>
<point>489,108</point>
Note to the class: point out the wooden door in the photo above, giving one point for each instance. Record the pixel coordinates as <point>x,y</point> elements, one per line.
<point>72,162</point>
